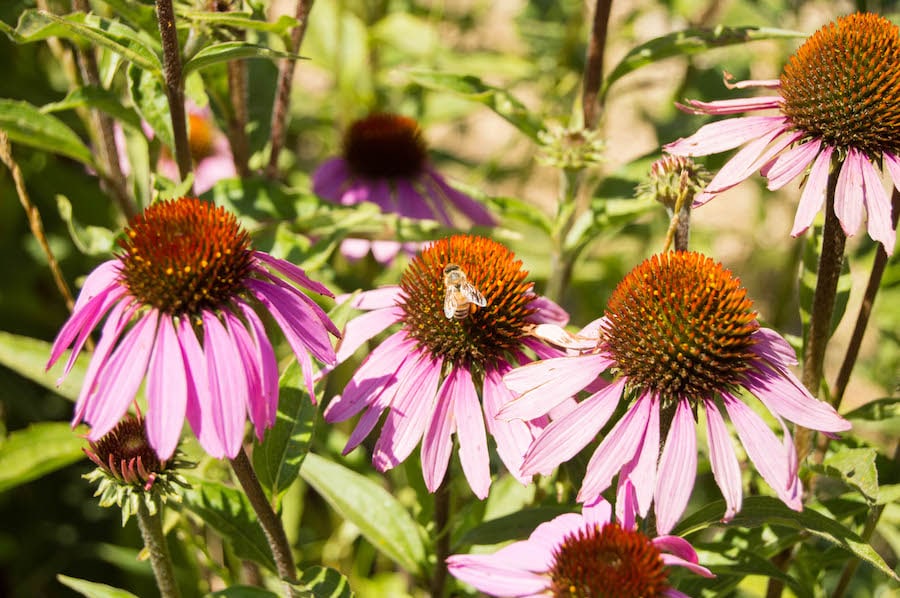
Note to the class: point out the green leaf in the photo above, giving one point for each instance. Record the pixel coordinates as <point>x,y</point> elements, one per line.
<point>856,467</point>
<point>137,48</point>
<point>324,582</point>
<point>37,450</point>
<point>380,518</point>
<point>515,526</point>
<point>90,240</point>
<point>243,592</point>
<point>142,16</point>
<point>687,42</point>
<point>149,99</point>
<point>26,124</point>
<point>99,98</point>
<point>241,20</point>
<point>512,208</point>
<point>229,512</point>
<point>766,510</point>
<point>92,589</point>
<point>474,89</point>
<point>277,460</point>
<point>227,51</point>
<point>28,357</point>
<point>878,410</point>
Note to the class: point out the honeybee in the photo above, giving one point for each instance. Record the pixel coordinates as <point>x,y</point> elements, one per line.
<point>460,295</point>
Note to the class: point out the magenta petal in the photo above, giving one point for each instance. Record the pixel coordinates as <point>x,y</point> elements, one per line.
<point>112,329</point>
<point>256,404</point>
<point>771,346</point>
<point>848,197</point>
<point>727,134</point>
<point>498,578</point>
<point>410,203</point>
<point>878,208</point>
<point>364,327</point>
<point>548,312</point>
<point>79,326</point>
<point>677,469</point>
<point>564,437</point>
<point>330,178</point>
<point>227,384</point>
<point>166,390</point>
<point>512,437</point>
<point>268,366</point>
<point>789,165</point>
<point>467,206</point>
<point>734,106</point>
<point>813,197</point>
<point>293,272</point>
<point>199,410</point>
<point>120,379</point>
<point>725,467</point>
<point>437,444</point>
<point>641,471</point>
<point>785,395</point>
<point>469,421</point>
<point>748,160</point>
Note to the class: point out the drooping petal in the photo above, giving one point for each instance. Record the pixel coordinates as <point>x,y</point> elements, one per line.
<point>364,327</point>
<point>771,346</point>
<point>385,251</point>
<point>500,577</point>
<point>789,165</point>
<point>547,312</point>
<point>677,469</point>
<point>813,197</point>
<point>783,394</point>
<point>301,296</point>
<point>848,196</point>
<point>733,106</point>
<point>437,445</point>
<point>679,553</point>
<point>256,403</point>
<point>293,272</point>
<point>166,390</point>
<point>200,405</point>
<point>375,299</point>
<point>599,512</point>
<point>892,163</point>
<point>410,202</point>
<point>469,422</point>
<point>878,208</point>
<point>727,134</point>
<point>564,437</point>
<point>470,208</point>
<point>227,384</point>
<point>725,467</point>
<point>512,437</point>
<point>330,179</point>
<point>265,356</point>
<point>355,249</point>
<point>641,470</point>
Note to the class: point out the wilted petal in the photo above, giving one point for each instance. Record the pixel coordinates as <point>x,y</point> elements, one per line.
<point>734,106</point>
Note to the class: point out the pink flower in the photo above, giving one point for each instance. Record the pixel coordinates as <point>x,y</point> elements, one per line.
<point>837,109</point>
<point>589,554</point>
<point>181,305</point>
<point>679,337</point>
<point>441,372</point>
<point>210,151</point>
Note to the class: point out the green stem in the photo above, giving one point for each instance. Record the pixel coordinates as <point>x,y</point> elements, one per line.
<point>442,538</point>
<point>561,260</point>
<point>165,14</point>
<point>271,524</point>
<point>155,542</point>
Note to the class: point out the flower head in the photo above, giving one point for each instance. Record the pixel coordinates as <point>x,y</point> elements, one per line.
<point>457,338</point>
<point>673,178</point>
<point>385,161</point>
<point>679,337</point>
<point>181,302</point>
<point>587,554</point>
<point>838,102</point>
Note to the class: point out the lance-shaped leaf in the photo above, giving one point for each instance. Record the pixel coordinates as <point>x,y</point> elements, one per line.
<point>27,125</point>
<point>99,98</point>
<point>28,357</point>
<point>240,20</point>
<point>93,589</point>
<point>37,450</point>
<point>228,51</point>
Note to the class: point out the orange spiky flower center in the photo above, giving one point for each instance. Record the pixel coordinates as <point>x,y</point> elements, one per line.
<point>843,85</point>
<point>200,136</point>
<point>184,255</point>
<point>385,146</point>
<point>608,562</point>
<point>681,325</point>
<point>484,335</point>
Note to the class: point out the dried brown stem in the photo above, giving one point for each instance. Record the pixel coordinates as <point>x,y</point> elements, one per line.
<point>165,14</point>
<point>593,70</point>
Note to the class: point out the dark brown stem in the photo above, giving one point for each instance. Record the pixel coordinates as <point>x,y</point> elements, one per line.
<point>34,219</point>
<point>271,524</point>
<point>865,310</point>
<point>283,91</point>
<point>237,123</point>
<point>593,69</point>
<point>165,14</point>
<point>442,538</point>
<point>155,543</point>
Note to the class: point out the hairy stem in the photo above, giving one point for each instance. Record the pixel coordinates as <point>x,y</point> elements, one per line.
<point>271,524</point>
<point>165,14</point>
<point>442,538</point>
<point>283,91</point>
<point>34,219</point>
<point>237,122</point>
<point>155,542</point>
<point>593,70</point>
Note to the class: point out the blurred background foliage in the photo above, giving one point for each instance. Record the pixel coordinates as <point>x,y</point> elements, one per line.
<point>363,56</point>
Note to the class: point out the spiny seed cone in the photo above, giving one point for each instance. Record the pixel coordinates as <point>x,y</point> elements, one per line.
<point>125,454</point>
<point>680,324</point>
<point>185,255</point>
<point>843,85</point>
<point>608,562</point>
<point>385,146</point>
<point>487,334</point>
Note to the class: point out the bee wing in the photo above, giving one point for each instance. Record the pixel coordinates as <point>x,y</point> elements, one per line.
<point>450,304</point>
<point>472,294</point>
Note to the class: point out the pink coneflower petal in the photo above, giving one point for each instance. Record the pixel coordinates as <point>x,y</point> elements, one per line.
<point>380,193</point>
<point>679,553</point>
<point>330,178</point>
<point>470,208</point>
<point>437,445</point>
<point>748,160</point>
<point>78,328</point>
<point>166,390</point>
<point>227,385</point>
<point>293,273</point>
<point>848,197</point>
<point>363,328</point>
<point>677,469</point>
<point>734,106</point>
<point>760,443</point>
<point>617,448</point>
<point>725,467</point>
<point>265,356</point>
<point>122,376</point>
<point>252,368</point>
<point>641,471</point>
<point>790,164</point>
<point>727,134</point>
<point>892,163</point>
<point>199,399</point>
<point>469,423</point>
<point>771,346</point>
<point>563,376</point>
<point>548,312</point>
<point>565,436</point>
<point>384,252</point>
<point>211,170</point>
<point>512,437</point>
<point>878,208</point>
<point>355,249</point>
<point>813,196</point>
<point>501,575</point>
<point>785,395</point>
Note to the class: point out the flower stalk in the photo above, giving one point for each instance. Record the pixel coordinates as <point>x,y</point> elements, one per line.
<point>155,542</point>
<point>172,73</point>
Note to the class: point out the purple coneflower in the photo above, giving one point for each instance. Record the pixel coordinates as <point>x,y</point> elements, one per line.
<point>679,337</point>
<point>210,151</point>
<point>838,100</point>
<point>587,554</point>
<point>182,302</point>
<point>438,375</point>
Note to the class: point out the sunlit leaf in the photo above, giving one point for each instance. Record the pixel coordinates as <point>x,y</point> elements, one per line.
<point>240,20</point>
<point>28,357</point>
<point>37,450</point>
<point>324,582</point>
<point>99,98</point>
<point>150,101</point>
<point>856,467</point>
<point>27,125</point>
<point>227,51</point>
<point>92,589</point>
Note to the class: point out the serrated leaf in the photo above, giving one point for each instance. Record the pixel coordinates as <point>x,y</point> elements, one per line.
<point>278,459</point>
<point>28,357</point>
<point>856,467</point>
<point>243,592</point>
<point>149,99</point>
<point>472,88</point>
<point>37,450</point>
<point>93,589</point>
<point>766,510</point>
<point>37,25</point>
<point>690,41</point>
<point>324,582</point>
<point>515,526</point>
<point>99,98</point>
<point>29,126</point>
<point>227,51</point>
<point>229,512</point>
<point>380,518</point>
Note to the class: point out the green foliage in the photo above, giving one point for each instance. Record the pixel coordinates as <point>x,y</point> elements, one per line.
<point>37,450</point>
